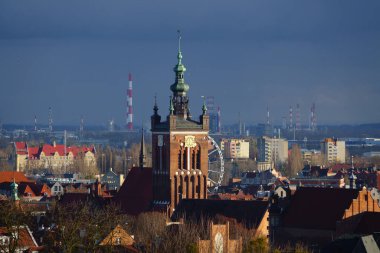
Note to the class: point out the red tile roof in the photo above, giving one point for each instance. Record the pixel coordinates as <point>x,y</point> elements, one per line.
<point>50,150</point>
<point>8,176</point>
<point>318,208</point>
<point>26,239</point>
<point>25,190</point>
<point>136,195</point>
<point>21,148</point>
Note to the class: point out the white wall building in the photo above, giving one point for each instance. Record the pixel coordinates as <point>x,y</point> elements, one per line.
<point>235,148</point>
<point>334,151</point>
<point>272,150</point>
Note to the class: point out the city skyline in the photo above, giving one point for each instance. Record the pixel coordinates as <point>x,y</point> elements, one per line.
<point>75,57</point>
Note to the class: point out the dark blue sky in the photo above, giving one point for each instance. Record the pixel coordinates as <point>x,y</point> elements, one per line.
<point>75,57</point>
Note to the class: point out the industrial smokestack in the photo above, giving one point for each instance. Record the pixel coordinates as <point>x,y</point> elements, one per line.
<point>129,104</point>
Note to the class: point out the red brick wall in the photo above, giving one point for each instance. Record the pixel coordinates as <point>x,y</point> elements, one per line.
<point>363,203</point>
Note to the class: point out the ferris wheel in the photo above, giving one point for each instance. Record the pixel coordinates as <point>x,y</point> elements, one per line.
<point>215,165</point>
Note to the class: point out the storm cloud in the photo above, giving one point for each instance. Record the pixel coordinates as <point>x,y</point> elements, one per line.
<point>75,56</point>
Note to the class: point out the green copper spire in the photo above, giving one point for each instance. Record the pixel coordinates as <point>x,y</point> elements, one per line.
<point>179,87</point>
<point>14,191</point>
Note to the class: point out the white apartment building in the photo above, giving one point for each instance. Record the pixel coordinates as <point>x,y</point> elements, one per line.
<point>334,151</point>
<point>235,148</point>
<point>272,149</point>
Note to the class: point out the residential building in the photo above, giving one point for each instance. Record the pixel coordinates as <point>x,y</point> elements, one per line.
<point>57,189</point>
<point>315,215</point>
<point>28,191</point>
<point>112,180</point>
<point>259,177</point>
<point>220,240</point>
<point>120,238</point>
<point>333,150</point>
<point>235,148</point>
<point>54,157</point>
<point>311,156</point>
<point>272,150</point>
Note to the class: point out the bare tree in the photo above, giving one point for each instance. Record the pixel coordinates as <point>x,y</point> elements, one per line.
<point>295,161</point>
<point>81,226</point>
<point>14,220</point>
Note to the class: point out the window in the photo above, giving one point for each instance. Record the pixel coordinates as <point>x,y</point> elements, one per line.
<point>4,240</point>
<point>118,241</point>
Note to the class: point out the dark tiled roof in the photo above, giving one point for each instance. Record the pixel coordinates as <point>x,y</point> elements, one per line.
<point>318,208</point>
<point>341,245</point>
<point>72,198</point>
<point>368,224</point>
<point>136,195</point>
<point>248,212</point>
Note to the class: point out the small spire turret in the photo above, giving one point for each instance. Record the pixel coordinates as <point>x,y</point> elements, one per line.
<point>171,106</point>
<point>142,158</point>
<point>14,190</point>
<point>155,107</point>
<point>204,107</point>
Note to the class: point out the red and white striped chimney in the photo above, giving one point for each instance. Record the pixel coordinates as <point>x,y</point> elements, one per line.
<point>129,104</point>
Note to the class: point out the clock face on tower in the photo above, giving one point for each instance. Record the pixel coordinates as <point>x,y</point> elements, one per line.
<point>190,141</point>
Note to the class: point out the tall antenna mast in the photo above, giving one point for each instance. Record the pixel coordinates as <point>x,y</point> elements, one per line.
<point>35,123</point>
<point>240,125</point>
<point>268,115</point>
<point>313,118</point>
<point>50,119</point>
<point>129,104</point>
<point>81,126</point>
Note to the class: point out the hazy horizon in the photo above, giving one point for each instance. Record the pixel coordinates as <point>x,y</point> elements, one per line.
<point>75,56</point>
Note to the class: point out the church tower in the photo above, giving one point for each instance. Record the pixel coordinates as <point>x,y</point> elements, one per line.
<point>179,148</point>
